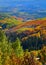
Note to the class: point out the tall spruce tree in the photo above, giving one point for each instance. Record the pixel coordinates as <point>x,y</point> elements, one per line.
<point>17,47</point>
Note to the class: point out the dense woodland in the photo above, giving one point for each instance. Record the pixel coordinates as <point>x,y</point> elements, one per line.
<point>26,46</point>
<point>12,53</point>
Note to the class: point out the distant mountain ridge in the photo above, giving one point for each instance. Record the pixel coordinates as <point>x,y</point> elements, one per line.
<point>24,15</point>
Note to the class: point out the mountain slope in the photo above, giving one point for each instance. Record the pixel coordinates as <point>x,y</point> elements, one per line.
<point>32,23</point>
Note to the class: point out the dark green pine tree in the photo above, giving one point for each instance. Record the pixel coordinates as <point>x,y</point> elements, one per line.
<point>17,47</point>
<point>4,44</point>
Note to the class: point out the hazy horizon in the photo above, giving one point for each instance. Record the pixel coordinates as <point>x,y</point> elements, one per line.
<point>24,8</point>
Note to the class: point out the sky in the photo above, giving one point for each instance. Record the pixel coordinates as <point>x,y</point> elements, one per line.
<point>24,3</point>
<point>24,6</point>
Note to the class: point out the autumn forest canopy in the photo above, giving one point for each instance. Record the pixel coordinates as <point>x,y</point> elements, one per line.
<point>22,42</point>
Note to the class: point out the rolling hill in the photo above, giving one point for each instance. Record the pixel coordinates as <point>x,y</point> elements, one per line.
<point>32,23</point>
